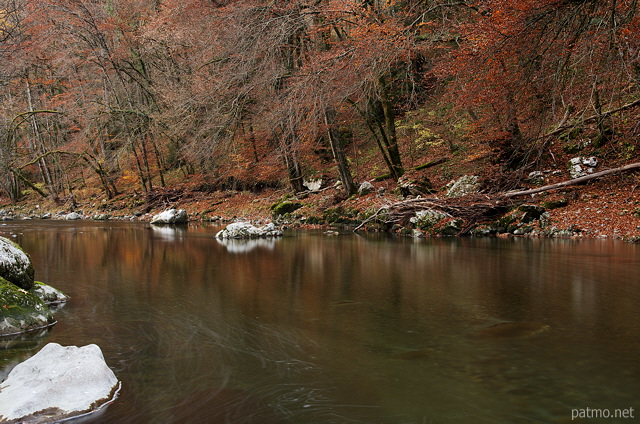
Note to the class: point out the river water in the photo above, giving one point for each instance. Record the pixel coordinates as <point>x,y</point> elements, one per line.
<point>342,329</point>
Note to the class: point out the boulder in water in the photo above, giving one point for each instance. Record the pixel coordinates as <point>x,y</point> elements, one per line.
<point>48,294</point>
<point>57,383</point>
<point>21,311</point>
<point>73,216</point>
<point>244,230</point>
<point>171,216</point>
<point>15,264</point>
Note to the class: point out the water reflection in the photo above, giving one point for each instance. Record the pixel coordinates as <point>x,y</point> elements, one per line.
<point>244,246</point>
<point>169,232</point>
<point>348,329</point>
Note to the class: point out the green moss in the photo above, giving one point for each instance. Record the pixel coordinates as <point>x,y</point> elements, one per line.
<point>284,207</point>
<point>340,215</point>
<point>48,294</point>
<point>314,220</point>
<point>554,204</point>
<point>20,310</point>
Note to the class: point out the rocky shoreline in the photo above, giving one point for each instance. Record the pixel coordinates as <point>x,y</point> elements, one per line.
<point>606,208</point>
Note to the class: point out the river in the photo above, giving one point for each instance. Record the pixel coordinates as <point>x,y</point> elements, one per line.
<point>313,328</point>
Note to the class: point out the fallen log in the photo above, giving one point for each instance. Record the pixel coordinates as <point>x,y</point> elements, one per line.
<point>570,182</point>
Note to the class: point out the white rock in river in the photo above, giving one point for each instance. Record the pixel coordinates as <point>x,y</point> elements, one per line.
<point>244,230</point>
<point>171,216</point>
<point>15,264</point>
<point>57,383</point>
<point>73,216</point>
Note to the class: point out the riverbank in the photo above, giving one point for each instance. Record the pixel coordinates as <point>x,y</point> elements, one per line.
<point>605,208</point>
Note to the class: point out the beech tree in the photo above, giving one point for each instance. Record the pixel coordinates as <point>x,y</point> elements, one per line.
<point>522,68</point>
<point>251,92</point>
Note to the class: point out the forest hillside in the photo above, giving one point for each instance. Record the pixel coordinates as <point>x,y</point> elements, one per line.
<point>230,108</point>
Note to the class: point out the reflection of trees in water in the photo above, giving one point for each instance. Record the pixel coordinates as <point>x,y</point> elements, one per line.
<point>271,323</point>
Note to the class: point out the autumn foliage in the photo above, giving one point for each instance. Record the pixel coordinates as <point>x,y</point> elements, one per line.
<point>137,93</point>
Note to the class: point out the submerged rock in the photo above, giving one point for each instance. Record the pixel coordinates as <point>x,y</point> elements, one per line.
<point>244,230</point>
<point>15,264</point>
<point>171,216</point>
<point>512,329</point>
<point>56,384</point>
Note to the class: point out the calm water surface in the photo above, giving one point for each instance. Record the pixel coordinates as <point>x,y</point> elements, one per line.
<point>346,329</point>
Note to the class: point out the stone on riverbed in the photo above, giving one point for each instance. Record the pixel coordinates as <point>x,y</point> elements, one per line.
<point>15,264</point>
<point>244,230</point>
<point>56,384</point>
<point>171,216</point>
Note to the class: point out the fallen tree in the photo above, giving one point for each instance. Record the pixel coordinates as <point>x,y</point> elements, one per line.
<point>574,181</point>
<point>475,209</point>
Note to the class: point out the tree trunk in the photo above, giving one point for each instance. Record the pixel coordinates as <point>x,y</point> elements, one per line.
<point>390,129</point>
<point>294,172</point>
<point>38,145</point>
<point>336,144</point>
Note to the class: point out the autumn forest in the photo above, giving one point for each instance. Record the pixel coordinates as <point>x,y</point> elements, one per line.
<point>132,95</point>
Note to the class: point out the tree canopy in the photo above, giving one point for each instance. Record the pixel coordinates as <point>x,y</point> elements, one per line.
<point>253,93</point>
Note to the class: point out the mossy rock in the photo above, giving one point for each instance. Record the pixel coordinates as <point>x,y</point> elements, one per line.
<point>314,220</point>
<point>15,264</point>
<point>48,294</point>
<point>451,228</point>
<point>285,207</point>
<point>555,204</point>
<point>340,215</point>
<point>20,310</point>
<point>506,224</point>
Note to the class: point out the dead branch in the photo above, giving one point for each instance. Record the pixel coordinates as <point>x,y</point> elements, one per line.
<point>475,208</point>
<point>591,118</point>
<point>162,197</point>
<point>571,182</point>
<point>44,155</point>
